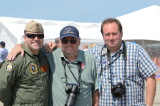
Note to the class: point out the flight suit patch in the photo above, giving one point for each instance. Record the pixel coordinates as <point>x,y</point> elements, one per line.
<point>33,68</point>
<point>9,67</point>
<point>44,68</point>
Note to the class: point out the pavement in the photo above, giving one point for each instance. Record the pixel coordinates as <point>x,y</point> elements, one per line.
<point>156,100</point>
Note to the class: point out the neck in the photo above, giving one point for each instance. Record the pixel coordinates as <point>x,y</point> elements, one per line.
<point>35,52</point>
<point>71,57</point>
<point>115,49</point>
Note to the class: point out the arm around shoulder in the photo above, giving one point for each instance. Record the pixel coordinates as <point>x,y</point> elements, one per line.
<point>14,52</point>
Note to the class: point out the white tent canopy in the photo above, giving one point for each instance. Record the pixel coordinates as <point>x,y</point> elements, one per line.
<point>143,24</point>
<point>12,30</point>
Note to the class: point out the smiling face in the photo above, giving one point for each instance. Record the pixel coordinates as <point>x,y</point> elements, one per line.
<point>112,36</point>
<point>70,45</point>
<point>33,43</point>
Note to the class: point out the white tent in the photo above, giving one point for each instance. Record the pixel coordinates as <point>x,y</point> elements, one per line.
<point>12,30</point>
<point>143,24</point>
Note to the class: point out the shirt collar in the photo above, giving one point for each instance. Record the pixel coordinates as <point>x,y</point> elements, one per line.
<point>104,49</point>
<point>79,58</point>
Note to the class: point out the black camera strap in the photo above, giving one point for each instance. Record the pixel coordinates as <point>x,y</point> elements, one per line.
<point>65,63</point>
<point>124,52</point>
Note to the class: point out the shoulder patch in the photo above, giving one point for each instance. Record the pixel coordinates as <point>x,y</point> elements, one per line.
<point>44,68</point>
<point>9,67</point>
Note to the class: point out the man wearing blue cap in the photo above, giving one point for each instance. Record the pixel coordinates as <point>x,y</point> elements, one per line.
<point>73,80</point>
<point>3,52</point>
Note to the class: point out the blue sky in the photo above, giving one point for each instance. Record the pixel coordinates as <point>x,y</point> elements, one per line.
<point>71,10</point>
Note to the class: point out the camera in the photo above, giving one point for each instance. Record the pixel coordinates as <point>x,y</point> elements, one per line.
<point>72,90</point>
<point>118,90</point>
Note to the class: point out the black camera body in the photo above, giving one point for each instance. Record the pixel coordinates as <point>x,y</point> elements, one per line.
<point>72,90</point>
<point>118,90</point>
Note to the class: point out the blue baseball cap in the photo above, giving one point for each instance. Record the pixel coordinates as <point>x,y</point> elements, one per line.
<point>69,31</point>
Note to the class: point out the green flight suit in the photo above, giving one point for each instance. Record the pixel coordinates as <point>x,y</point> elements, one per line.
<point>24,81</point>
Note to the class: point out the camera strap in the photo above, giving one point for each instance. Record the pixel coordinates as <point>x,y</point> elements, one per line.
<point>124,52</point>
<point>78,80</point>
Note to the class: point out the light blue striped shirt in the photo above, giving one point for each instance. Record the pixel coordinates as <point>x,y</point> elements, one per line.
<point>139,66</point>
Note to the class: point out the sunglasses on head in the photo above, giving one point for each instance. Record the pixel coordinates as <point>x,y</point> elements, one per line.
<point>72,41</point>
<point>33,36</point>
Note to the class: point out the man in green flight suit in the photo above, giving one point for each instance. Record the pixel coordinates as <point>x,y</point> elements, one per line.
<point>24,81</point>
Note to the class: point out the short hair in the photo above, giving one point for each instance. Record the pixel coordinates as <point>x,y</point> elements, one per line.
<point>2,43</point>
<point>85,47</point>
<point>92,45</point>
<point>111,20</point>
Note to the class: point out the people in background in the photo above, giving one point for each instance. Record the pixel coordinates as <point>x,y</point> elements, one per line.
<point>3,52</point>
<point>24,81</point>
<point>92,45</point>
<point>85,47</point>
<point>58,42</point>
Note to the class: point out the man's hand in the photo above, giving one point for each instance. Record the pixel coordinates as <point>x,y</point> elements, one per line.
<point>49,46</point>
<point>14,52</point>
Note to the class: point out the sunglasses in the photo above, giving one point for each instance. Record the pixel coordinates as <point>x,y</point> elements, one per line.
<point>33,36</point>
<point>72,41</point>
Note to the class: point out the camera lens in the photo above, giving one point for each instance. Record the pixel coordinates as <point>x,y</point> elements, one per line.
<point>118,93</point>
<point>72,90</point>
<point>118,90</point>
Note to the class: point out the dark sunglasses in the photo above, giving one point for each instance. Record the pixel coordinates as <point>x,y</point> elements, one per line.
<point>72,41</point>
<point>33,36</point>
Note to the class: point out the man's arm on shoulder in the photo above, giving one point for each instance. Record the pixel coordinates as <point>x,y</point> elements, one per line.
<point>49,46</point>
<point>15,51</point>
<point>150,90</point>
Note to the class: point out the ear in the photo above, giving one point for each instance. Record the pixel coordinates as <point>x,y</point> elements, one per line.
<point>24,37</point>
<point>79,41</point>
<point>122,33</point>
